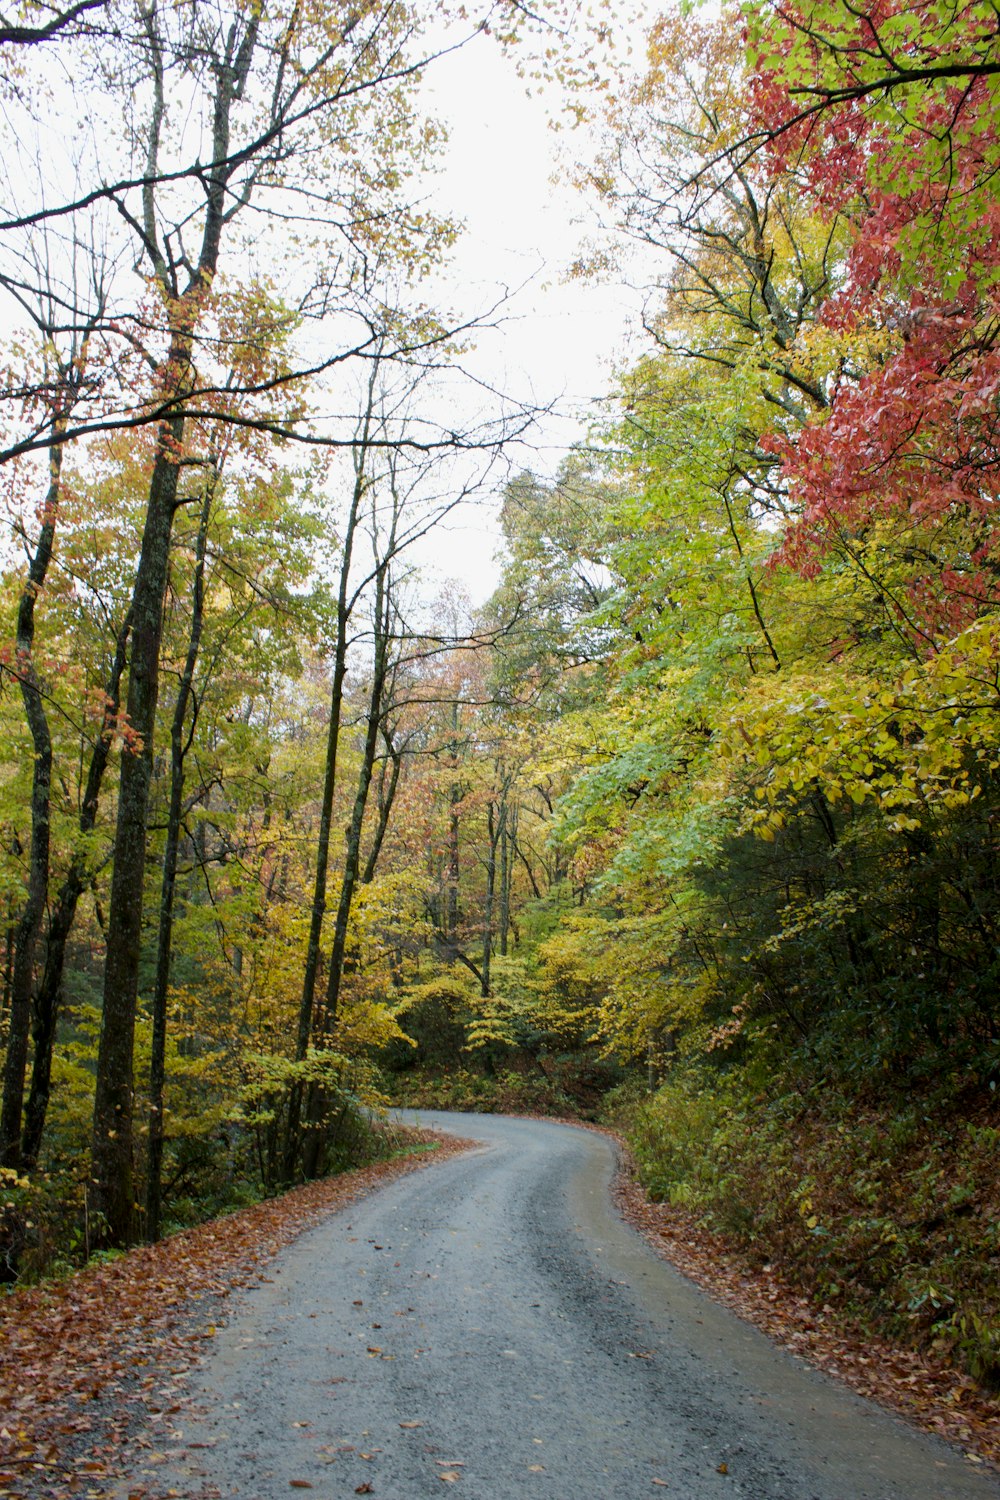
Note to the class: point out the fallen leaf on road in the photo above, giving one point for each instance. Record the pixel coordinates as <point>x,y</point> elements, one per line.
<point>411,1424</point>
<point>662,1483</point>
<point>363,1489</point>
<point>449,1476</point>
<point>116,1328</point>
<point>536,1468</point>
<point>722,1469</point>
<point>299,1484</point>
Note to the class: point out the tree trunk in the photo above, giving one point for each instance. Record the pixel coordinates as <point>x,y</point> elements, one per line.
<point>455,798</point>
<point>492,828</point>
<point>33,910</point>
<point>346,600</point>
<point>507,830</point>
<point>326,1021</point>
<point>161,985</point>
<point>49,996</point>
<point>387,796</point>
<point>112,1199</point>
<point>352,851</point>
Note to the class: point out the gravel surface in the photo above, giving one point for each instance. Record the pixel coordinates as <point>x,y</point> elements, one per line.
<point>491,1325</point>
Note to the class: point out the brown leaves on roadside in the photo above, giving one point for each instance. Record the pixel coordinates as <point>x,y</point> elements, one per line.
<point>927,1391</point>
<point>77,1355</point>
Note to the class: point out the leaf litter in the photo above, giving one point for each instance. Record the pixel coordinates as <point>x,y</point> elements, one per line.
<point>98,1360</point>
<point>927,1391</point>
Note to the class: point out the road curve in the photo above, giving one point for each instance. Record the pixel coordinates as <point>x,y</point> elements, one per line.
<point>490,1326</point>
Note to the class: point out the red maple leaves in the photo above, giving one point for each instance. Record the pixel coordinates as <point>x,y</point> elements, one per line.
<point>892,123</point>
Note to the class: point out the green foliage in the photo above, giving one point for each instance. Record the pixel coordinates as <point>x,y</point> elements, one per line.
<point>508,1091</point>
<point>887,1211</point>
<point>340,1092</point>
<point>434,1015</point>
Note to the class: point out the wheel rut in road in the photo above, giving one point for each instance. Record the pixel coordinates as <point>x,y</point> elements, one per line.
<point>492,1327</point>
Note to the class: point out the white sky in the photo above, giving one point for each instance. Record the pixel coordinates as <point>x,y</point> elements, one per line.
<point>507,174</point>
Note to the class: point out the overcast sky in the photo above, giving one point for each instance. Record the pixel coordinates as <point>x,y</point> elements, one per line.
<point>507,175</point>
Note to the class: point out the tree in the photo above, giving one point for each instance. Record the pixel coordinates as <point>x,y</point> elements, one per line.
<point>44,22</point>
<point>901,143</point>
<point>745,259</point>
<point>63,358</point>
<point>313,79</point>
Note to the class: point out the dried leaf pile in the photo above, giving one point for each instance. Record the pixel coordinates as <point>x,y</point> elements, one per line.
<point>80,1357</point>
<point>928,1392</point>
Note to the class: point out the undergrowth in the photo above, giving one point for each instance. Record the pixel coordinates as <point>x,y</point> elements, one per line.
<point>45,1230</point>
<point>887,1210</point>
<point>463,1089</point>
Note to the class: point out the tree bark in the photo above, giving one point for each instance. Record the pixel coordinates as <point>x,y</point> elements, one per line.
<point>326,1020</point>
<point>352,850</point>
<point>493,826</point>
<point>346,601</point>
<point>161,984</point>
<point>112,1199</point>
<point>49,996</point>
<point>387,796</point>
<point>33,910</point>
<point>345,604</point>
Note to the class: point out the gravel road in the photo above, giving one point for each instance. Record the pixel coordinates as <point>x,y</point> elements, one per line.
<point>491,1327</point>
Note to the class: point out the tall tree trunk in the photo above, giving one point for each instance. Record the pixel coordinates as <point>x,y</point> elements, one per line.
<point>346,600</point>
<point>112,1199</point>
<point>49,996</point>
<point>318,910</point>
<point>454,799</point>
<point>326,1020</point>
<point>161,984</point>
<point>507,828</point>
<point>387,796</point>
<point>352,850</point>
<point>493,824</point>
<point>33,910</point>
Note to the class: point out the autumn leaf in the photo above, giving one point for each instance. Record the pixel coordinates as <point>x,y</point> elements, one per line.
<point>57,1342</point>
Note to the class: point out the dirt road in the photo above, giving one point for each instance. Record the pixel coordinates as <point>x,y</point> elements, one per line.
<point>490,1327</point>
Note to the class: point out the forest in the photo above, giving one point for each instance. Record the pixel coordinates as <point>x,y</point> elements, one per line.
<point>692,827</point>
